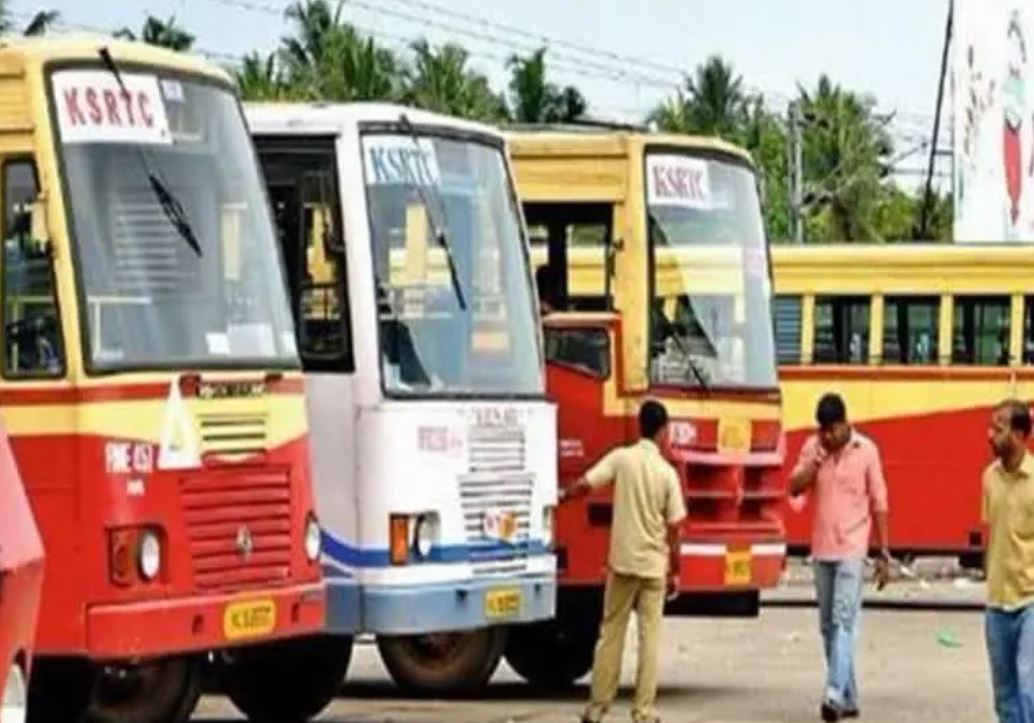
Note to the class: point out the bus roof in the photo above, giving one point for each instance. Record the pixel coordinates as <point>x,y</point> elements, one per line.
<point>331,118</point>
<point>43,50</point>
<point>561,140</point>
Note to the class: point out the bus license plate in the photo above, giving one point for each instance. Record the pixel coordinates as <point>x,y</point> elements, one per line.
<point>505,603</point>
<point>738,567</point>
<point>249,619</point>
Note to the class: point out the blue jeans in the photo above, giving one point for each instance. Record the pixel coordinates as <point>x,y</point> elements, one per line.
<point>838,586</point>
<point>1010,646</point>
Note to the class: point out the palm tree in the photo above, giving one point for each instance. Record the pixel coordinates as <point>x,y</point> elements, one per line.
<point>326,58</point>
<point>260,78</point>
<point>845,151</point>
<point>165,34</point>
<point>535,99</point>
<point>712,103</point>
<point>40,23</point>
<point>440,80</point>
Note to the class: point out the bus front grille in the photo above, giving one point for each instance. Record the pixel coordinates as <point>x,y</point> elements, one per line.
<point>238,527</point>
<point>232,436</point>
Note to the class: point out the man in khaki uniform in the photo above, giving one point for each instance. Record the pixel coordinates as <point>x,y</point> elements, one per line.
<point>1008,511</point>
<point>644,551</point>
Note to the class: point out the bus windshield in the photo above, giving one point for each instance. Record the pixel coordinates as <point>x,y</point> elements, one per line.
<point>710,320</point>
<point>173,241</point>
<point>455,303</point>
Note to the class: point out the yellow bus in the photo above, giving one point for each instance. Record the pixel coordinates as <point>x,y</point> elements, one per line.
<point>922,341</point>
<point>653,262</point>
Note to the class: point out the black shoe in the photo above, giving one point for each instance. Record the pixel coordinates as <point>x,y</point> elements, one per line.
<point>830,712</point>
<point>851,713</point>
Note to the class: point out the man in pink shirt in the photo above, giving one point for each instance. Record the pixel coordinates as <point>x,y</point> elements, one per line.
<point>842,467</point>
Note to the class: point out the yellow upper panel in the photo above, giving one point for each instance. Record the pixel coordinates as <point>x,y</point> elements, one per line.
<point>902,268</point>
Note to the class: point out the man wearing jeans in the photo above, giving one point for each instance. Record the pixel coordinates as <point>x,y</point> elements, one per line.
<point>843,468</point>
<point>1008,511</point>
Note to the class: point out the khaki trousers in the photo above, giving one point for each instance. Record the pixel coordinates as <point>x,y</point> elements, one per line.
<point>623,594</point>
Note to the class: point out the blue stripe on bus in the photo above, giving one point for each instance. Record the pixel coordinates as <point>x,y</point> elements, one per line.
<point>345,554</point>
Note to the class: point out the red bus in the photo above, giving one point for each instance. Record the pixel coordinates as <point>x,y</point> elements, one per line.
<point>21,582</point>
<point>655,263</point>
<point>152,392</point>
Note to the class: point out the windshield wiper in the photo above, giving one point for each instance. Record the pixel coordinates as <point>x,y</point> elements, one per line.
<point>167,201</point>
<point>437,225</point>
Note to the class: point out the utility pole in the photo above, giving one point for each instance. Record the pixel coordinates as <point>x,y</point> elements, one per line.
<point>924,217</point>
<point>795,166</point>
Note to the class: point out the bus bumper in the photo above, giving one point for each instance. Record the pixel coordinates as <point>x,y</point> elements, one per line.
<point>429,608</point>
<point>211,622</point>
<point>730,567</point>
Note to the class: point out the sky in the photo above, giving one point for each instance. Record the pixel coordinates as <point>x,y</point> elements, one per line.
<point>625,55</point>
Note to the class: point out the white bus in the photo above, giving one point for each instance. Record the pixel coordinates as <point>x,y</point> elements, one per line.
<point>434,446</point>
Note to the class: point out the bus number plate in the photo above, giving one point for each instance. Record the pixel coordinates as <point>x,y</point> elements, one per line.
<point>503,603</point>
<point>738,567</point>
<point>249,619</point>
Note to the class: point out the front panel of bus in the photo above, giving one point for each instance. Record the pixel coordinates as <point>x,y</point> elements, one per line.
<point>443,521</point>
<point>154,397</point>
<point>712,358</point>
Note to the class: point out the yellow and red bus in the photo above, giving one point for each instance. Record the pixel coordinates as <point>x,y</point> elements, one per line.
<point>151,389</point>
<point>922,340</point>
<point>652,257</point>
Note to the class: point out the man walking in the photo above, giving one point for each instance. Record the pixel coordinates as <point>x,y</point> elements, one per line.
<point>644,551</point>
<point>843,468</point>
<point>1008,512</point>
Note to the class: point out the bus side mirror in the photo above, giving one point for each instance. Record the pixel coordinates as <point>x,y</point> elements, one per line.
<point>39,231</point>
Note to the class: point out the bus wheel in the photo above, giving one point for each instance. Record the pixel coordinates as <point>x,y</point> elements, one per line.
<point>454,663</point>
<point>159,691</point>
<point>75,681</point>
<point>286,681</point>
<point>551,654</point>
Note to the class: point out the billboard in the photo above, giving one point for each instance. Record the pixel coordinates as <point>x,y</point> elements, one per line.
<point>993,91</point>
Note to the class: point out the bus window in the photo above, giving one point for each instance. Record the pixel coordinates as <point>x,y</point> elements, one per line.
<point>910,327</point>
<point>981,334</point>
<point>576,234</point>
<point>585,349</point>
<point>787,313</point>
<point>32,330</point>
<point>301,176</point>
<point>841,329</point>
<point>1028,330</point>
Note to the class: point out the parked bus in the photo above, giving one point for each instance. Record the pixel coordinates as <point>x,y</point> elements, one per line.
<point>651,252</point>
<point>922,341</point>
<point>21,582</point>
<point>434,446</point>
<point>151,389</point>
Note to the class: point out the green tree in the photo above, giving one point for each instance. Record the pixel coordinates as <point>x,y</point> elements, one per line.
<point>845,152</point>
<point>163,33</point>
<point>534,99</point>
<point>712,102</point>
<point>40,23</point>
<point>261,78</point>
<point>439,80</point>
<point>328,59</point>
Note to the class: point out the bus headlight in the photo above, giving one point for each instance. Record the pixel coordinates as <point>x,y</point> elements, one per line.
<point>547,526</point>
<point>423,536</point>
<point>149,555</point>
<point>313,539</point>
<point>15,701</point>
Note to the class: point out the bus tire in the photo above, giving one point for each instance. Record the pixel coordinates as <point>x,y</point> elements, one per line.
<point>156,691</point>
<point>551,654</point>
<point>60,690</point>
<point>287,681</point>
<point>443,664</point>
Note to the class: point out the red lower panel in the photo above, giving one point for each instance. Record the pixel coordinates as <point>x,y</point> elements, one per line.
<point>933,465</point>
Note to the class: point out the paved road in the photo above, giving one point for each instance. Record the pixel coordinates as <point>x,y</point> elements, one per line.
<point>915,667</point>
